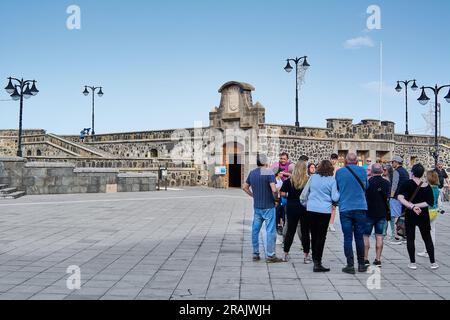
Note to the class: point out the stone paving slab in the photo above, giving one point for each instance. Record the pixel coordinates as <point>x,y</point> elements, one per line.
<point>187,244</point>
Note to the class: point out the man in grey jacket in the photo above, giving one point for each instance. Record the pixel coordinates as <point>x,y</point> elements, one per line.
<point>400,176</point>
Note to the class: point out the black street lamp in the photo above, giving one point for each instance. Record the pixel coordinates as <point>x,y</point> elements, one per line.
<point>414,87</point>
<point>20,89</point>
<point>423,99</point>
<point>100,94</point>
<point>305,65</point>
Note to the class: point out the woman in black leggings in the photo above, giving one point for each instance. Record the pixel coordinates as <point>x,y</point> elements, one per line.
<point>417,196</point>
<point>292,189</point>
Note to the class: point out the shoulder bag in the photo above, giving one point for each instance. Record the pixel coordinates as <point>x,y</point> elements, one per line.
<point>400,224</point>
<point>357,178</point>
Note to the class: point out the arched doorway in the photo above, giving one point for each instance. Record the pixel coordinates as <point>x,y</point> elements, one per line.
<point>233,160</point>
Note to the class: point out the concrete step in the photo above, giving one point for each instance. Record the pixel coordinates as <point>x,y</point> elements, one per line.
<point>13,195</point>
<point>8,190</point>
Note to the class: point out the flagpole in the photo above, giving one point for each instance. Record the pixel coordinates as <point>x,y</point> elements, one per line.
<point>381,80</point>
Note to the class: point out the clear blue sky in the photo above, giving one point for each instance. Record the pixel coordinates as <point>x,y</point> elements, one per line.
<point>162,62</point>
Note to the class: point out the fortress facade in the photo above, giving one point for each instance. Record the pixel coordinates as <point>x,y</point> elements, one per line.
<point>222,153</point>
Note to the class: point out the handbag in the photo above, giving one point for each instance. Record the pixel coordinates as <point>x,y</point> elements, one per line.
<point>433,214</point>
<point>305,194</point>
<point>400,224</point>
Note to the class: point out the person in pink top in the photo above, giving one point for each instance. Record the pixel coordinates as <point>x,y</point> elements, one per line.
<point>285,165</point>
<point>283,168</point>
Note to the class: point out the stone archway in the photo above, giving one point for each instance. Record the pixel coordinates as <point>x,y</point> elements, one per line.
<point>234,162</point>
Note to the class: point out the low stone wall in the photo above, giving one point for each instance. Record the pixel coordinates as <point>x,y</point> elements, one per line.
<point>136,182</point>
<point>180,174</point>
<point>11,172</point>
<point>64,178</point>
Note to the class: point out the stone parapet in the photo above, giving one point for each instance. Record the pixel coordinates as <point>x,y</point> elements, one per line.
<point>96,170</point>
<point>63,178</point>
<point>136,182</point>
<point>11,172</point>
<point>25,132</point>
<point>49,165</point>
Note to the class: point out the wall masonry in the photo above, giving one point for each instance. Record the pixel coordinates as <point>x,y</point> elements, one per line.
<point>63,178</point>
<point>236,128</point>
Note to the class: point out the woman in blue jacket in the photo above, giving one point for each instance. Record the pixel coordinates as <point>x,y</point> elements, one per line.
<point>320,195</point>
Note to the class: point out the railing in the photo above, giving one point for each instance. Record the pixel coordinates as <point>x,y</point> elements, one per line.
<point>73,147</point>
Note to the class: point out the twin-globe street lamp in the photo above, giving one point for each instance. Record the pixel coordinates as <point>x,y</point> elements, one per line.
<point>414,87</point>
<point>423,99</point>
<point>100,94</point>
<point>305,65</point>
<point>18,91</point>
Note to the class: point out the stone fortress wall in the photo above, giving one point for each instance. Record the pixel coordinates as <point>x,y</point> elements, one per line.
<point>144,152</point>
<point>176,149</point>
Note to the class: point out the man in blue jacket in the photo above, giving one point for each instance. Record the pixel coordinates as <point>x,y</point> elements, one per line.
<point>352,184</point>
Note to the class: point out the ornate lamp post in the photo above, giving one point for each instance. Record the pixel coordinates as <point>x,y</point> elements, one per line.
<point>20,89</point>
<point>100,94</point>
<point>414,87</point>
<point>423,99</point>
<point>305,65</point>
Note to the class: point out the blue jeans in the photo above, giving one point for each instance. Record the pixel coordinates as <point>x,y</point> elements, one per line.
<point>375,223</point>
<point>353,223</point>
<point>267,216</point>
<point>396,208</point>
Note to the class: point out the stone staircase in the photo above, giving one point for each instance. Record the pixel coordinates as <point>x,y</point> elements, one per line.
<point>10,193</point>
<point>77,148</point>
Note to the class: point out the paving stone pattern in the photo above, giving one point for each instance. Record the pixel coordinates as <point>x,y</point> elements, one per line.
<point>189,244</point>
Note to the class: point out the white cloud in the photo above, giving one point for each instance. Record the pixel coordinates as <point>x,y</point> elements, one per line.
<point>374,86</point>
<point>359,42</point>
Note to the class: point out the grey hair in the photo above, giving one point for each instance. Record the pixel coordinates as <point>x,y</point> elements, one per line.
<point>377,168</point>
<point>351,158</point>
<point>262,160</point>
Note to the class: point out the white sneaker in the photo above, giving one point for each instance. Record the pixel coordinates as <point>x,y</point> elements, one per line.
<point>395,242</point>
<point>332,228</point>
<point>434,266</point>
<point>412,266</point>
<point>423,254</point>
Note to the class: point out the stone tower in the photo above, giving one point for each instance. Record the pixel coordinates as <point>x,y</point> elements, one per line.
<point>233,128</point>
<point>236,109</point>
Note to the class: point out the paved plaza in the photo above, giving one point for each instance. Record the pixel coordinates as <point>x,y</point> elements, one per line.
<point>182,244</point>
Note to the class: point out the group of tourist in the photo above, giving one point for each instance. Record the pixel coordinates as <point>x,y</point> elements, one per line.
<point>304,197</point>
